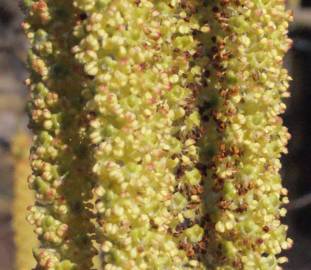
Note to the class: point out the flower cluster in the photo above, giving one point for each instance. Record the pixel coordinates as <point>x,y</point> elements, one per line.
<point>164,115</point>
<point>245,136</point>
<point>59,172</point>
<point>141,109</point>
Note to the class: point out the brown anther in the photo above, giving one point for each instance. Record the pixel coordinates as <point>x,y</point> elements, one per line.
<point>153,224</point>
<point>41,5</point>
<point>140,249</point>
<point>215,9</point>
<point>237,264</point>
<point>82,16</point>
<point>235,150</point>
<point>259,241</point>
<point>224,204</point>
<point>192,205</point>
<point>190,251</point>
<point>242,208</point>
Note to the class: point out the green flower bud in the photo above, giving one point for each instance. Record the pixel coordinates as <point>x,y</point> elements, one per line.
<point>195,233</point>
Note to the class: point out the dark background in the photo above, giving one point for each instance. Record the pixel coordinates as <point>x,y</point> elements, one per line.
<point>297,164</point>
<point>306,3</point>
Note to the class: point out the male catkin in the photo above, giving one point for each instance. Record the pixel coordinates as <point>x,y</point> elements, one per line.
<point>169,112</point>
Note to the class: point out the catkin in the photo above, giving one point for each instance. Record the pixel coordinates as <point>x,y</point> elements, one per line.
<point>141,110</point>
<point>245,136</point>
<point>60,174</point>
<point>169,112</point>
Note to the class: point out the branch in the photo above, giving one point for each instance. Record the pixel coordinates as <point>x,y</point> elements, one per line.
<point>300,202</point>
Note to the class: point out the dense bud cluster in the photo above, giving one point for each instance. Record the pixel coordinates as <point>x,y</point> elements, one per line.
<point>141,110</point>
<point>245,136</point>
<point>169,112</point>
<point>59,165</point>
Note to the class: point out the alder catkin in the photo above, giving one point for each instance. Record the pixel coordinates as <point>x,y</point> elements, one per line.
<point>141,110</point>
<point>60,174</point>
<point>169,112</point>
<point>245,136</point>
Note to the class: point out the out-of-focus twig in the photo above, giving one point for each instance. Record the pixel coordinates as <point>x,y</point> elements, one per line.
<point>302,17</point>
<point>300,202</point>
<point>4,206</point>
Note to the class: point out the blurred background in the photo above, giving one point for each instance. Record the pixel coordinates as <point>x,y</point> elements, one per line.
<point>297,164</point>
<point>12,116</point>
